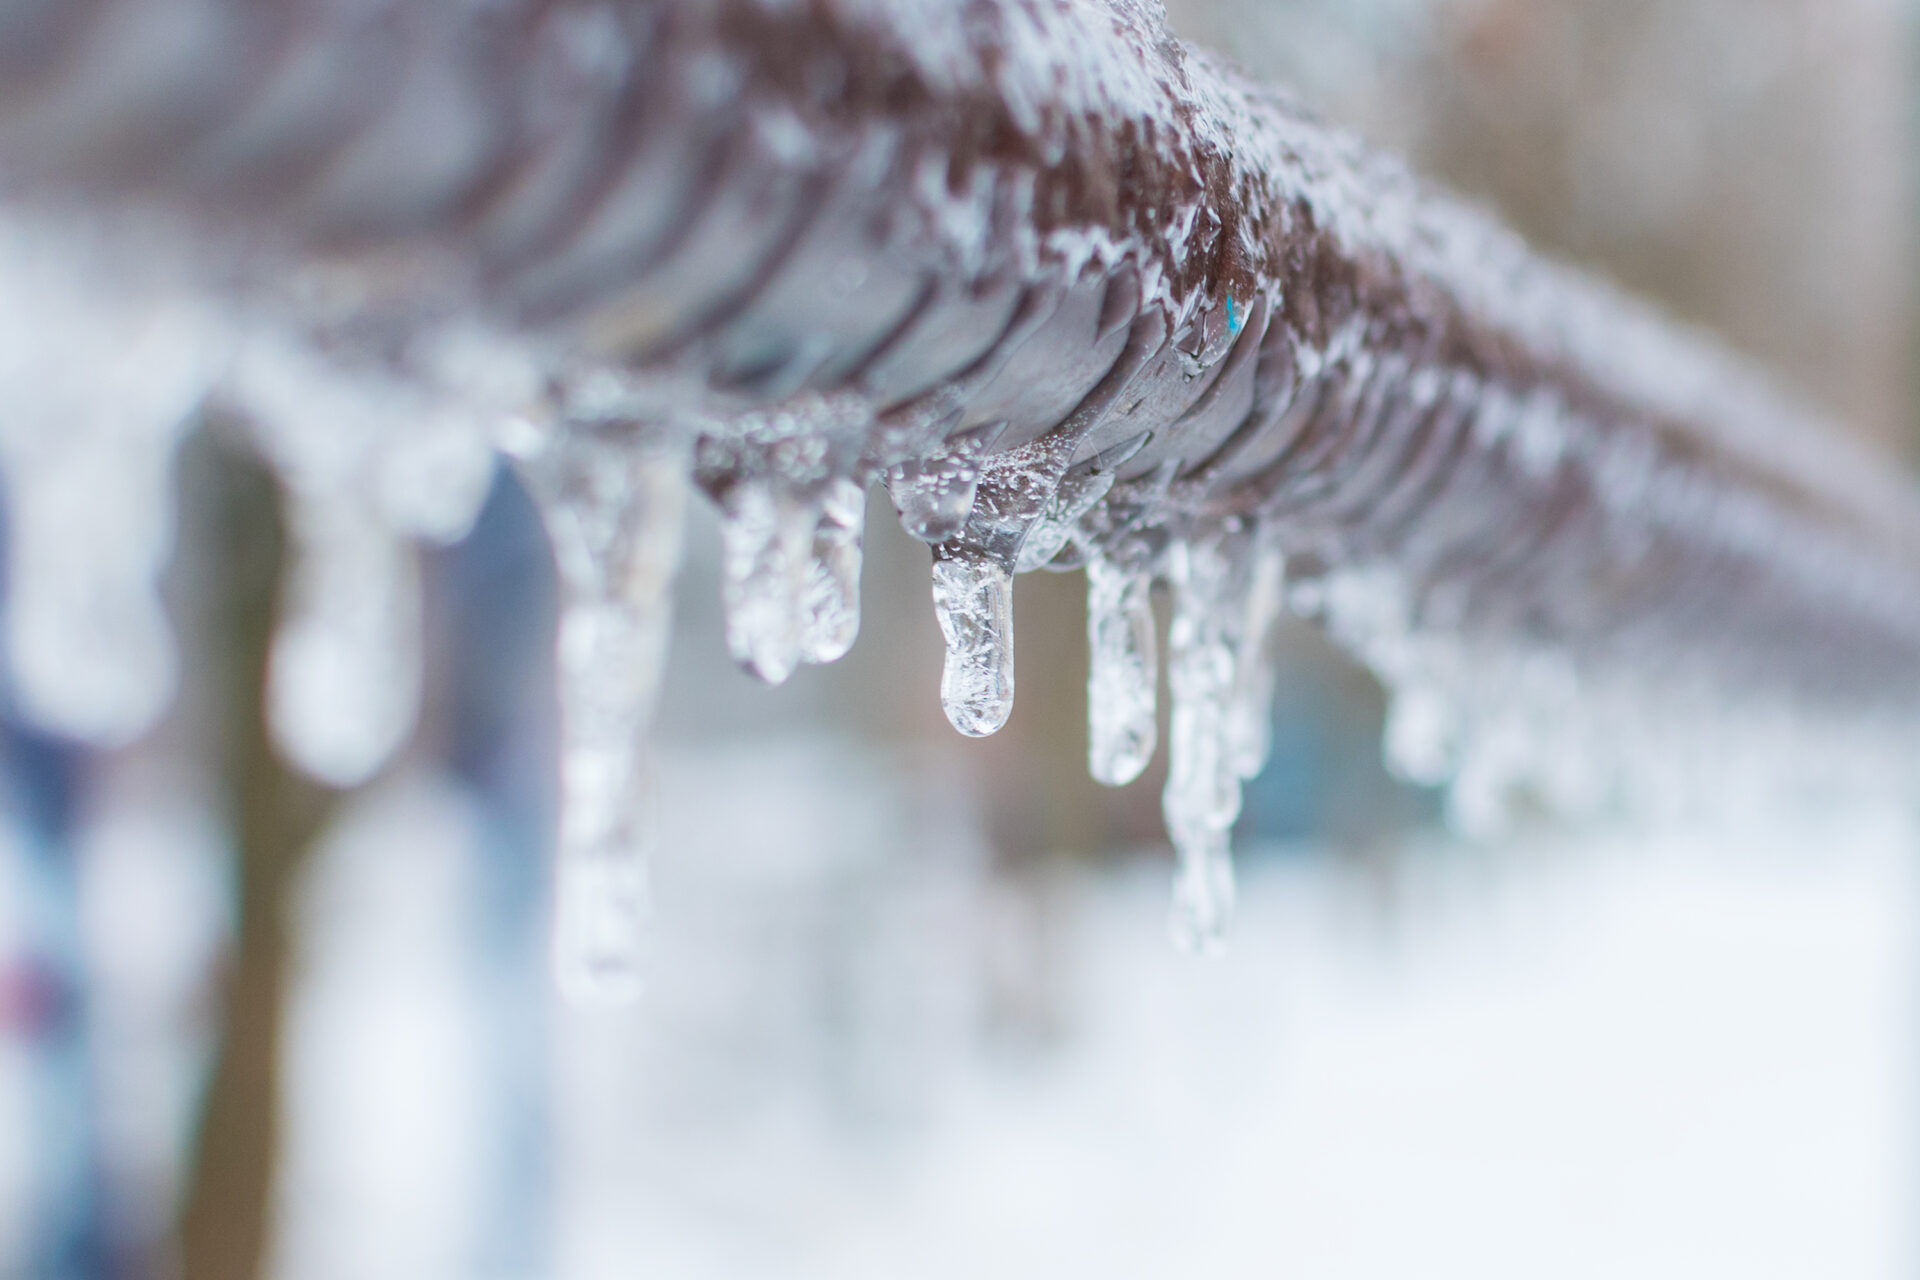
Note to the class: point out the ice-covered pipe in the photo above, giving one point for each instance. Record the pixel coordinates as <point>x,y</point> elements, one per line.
<point>1073,290</point>
<point>959,213</point>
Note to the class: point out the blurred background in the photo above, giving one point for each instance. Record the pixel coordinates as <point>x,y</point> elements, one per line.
<point>910,1007</point>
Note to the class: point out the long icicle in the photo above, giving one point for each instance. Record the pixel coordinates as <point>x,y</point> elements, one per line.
<point>1250,709</point>
<point>1124,666</point>
<point>370,462</point>
<point>101,370</point>
<point>1202,796</point>
<point>614,510</point>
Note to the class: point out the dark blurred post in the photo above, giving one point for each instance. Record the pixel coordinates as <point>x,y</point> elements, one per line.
<point>275,815</point>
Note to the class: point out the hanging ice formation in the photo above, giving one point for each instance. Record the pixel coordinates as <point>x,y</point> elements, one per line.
<point>370,462</point>
<point>101,368</point>
<point>375,456</point>
<point>612,496</point>
<point>793,502</point>
<point>1076,294</point>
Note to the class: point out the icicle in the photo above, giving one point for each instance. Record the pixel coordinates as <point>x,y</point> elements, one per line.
<point>934,496</point>
<point>973,581</point>
<point>832,613</point>
<point>1014,491</point>
<point>973,600</point>
<point>614,510</point>
<point>1202,797</point>
<point>1250,710</point>
<point>1124,668</point>
<point>90,528</point>
<point>767,537</point>
<point>367,459</point>
<point>100,372</point>
<point>793,504</point>
<point>343,687</point>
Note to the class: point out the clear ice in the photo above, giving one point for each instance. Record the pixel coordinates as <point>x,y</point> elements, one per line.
<point>1202,796</point>
<point>1250,710</point>
<point>973,580</point>
<point>767,541</point>
<point>792,498</point>
<point>614,508</point>
<point>832,617</point>
<point>1123,670</point>
<point>934,496</point>
<point>973,601</point>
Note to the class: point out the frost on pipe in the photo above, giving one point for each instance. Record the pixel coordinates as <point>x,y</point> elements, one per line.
<point>1074,293</point>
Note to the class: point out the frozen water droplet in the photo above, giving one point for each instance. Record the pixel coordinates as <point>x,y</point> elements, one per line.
<point>613,509</point>
<point>343,686</point>
<point>1202,796</point>
<point>973,599</point>
<point>832,620</point>
<point>1123,670</point>
<point>934,495</point>
<point>767,540</point>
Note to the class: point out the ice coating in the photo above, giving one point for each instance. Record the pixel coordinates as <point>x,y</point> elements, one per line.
<point>1123,671</point>
<point>613,503</point>
<point>934,495</point>
<point>1202,797</point>
<point>1079,491</point>
<point>100,376</point>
